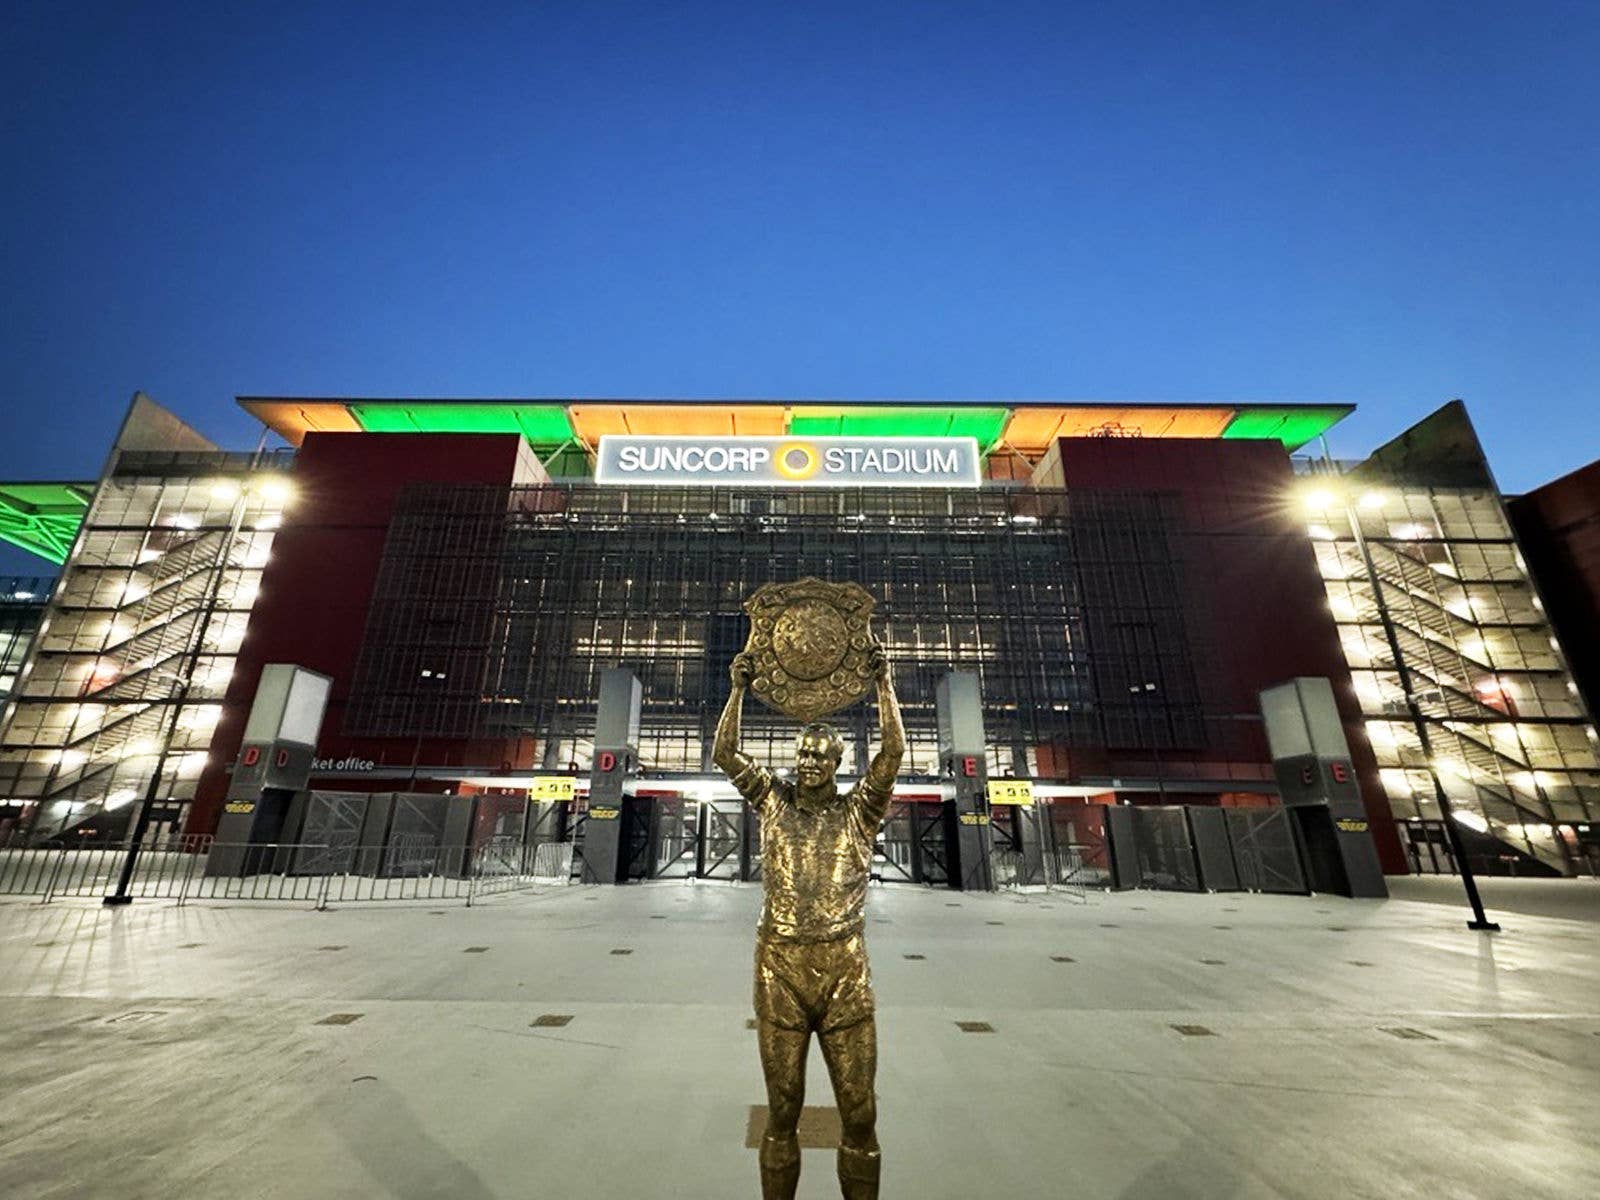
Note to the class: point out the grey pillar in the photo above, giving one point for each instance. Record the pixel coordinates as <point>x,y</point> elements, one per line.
<point>616,760</point>
<point>968,837</point>
<point>272,766</point>
<point>1317,781</point>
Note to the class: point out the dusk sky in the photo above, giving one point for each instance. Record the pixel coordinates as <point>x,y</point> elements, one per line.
<point>1385,204</point>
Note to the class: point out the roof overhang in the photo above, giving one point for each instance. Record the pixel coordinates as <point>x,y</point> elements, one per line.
<point>1027,426</point>
<point>43,518</point>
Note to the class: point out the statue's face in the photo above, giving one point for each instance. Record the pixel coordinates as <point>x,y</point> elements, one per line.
<point>815,760</point>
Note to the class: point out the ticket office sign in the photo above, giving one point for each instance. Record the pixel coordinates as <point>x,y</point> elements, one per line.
<point>901,462</point>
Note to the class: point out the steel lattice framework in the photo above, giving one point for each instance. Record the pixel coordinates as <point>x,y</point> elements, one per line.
<point>496,609</point>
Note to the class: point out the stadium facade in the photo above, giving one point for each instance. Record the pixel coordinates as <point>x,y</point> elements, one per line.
<point>1120,581</point>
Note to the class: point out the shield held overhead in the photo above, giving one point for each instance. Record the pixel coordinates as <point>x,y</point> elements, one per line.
<point>810,641</point>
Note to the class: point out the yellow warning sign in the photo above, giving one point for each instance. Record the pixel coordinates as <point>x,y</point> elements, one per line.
<point>552,788</point>
<point>1010,791</point>
<point>974,818</point>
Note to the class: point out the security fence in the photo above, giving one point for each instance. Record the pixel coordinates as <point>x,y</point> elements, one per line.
<point>199,869</point>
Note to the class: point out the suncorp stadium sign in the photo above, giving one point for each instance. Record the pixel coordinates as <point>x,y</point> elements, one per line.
<point>788,462</point>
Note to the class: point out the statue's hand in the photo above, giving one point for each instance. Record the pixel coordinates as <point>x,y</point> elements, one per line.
<point>741,671</point>
<point>879,662</point>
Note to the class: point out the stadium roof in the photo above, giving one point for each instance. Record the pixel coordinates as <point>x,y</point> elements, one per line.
<point>1024,425</point>
<point>43,518</point>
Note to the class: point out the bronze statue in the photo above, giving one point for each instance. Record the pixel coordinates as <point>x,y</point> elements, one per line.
<point>811,957</point>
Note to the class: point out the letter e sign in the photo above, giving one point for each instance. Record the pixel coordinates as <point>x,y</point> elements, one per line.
<point>1341,772</point>
<point>969,766</point>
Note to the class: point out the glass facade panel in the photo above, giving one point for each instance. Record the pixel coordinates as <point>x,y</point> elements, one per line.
<point>496,609</point>
<point>1454,662</point>
<point>127,675</point>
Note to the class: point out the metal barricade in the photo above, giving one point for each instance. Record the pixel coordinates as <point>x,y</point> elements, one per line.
<point>195,868</point>
<point>552,862</point>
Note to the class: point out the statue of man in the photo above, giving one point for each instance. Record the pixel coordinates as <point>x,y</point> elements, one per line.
<point>811,956</point>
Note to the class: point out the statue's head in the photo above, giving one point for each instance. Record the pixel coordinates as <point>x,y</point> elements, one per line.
<point>817,754</point>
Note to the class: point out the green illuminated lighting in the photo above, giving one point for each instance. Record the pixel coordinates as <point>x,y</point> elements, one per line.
<point>43,518</point>
<point>985,424</point>
<point>541,424</point>
<point>1294,427</point>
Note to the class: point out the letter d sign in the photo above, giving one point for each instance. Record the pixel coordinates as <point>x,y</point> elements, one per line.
<point>608,761</point>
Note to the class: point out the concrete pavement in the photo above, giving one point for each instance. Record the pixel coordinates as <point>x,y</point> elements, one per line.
<point>1330,1048</point>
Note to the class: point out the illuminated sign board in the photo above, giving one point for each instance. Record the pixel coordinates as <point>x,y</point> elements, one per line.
<point>556,788</point>
<point>788,462</point>
<point>1010,791</point>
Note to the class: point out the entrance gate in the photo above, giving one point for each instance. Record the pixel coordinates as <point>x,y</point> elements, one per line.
<point>721,840</point>
<point>1265,850</point>
<point>331,834</point>
<point>676,837</point>
<point>912,849</point>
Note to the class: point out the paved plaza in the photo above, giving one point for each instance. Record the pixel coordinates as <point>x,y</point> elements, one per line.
<point>1144,1046</point>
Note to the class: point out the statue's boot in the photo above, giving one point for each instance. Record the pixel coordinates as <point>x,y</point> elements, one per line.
<point>858,1173</point>
<point>780,1167</point>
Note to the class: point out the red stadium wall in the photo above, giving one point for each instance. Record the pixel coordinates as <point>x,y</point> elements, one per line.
<point>1259,599</point>
<point>315,589</point>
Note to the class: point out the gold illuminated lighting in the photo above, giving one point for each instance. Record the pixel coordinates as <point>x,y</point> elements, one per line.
<point>224,489</point>
<point>591,422</point>
<point>1032,429</point>
<point>293,419</point>
<point>1321,531</point>
<point>1471,820</point>
<point>1373,500</point>
<point>783,460</point>
<point>1319,500</point>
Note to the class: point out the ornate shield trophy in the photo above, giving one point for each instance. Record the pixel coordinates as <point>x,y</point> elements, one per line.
<point>810,641</point>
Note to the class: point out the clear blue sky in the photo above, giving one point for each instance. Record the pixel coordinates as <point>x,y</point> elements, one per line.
<point>1389,204</point>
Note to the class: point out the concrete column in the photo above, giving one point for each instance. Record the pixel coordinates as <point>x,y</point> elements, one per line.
<point>1317,781</point>
<point>616,761</point>
<point>968,837</point>
<point>273,764</point>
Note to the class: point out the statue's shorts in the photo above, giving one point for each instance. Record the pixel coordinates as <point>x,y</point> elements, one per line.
<point>813,986</point>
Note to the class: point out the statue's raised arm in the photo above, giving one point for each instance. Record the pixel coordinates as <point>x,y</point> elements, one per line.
<point>878,784</point>
<point>744,772</point>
